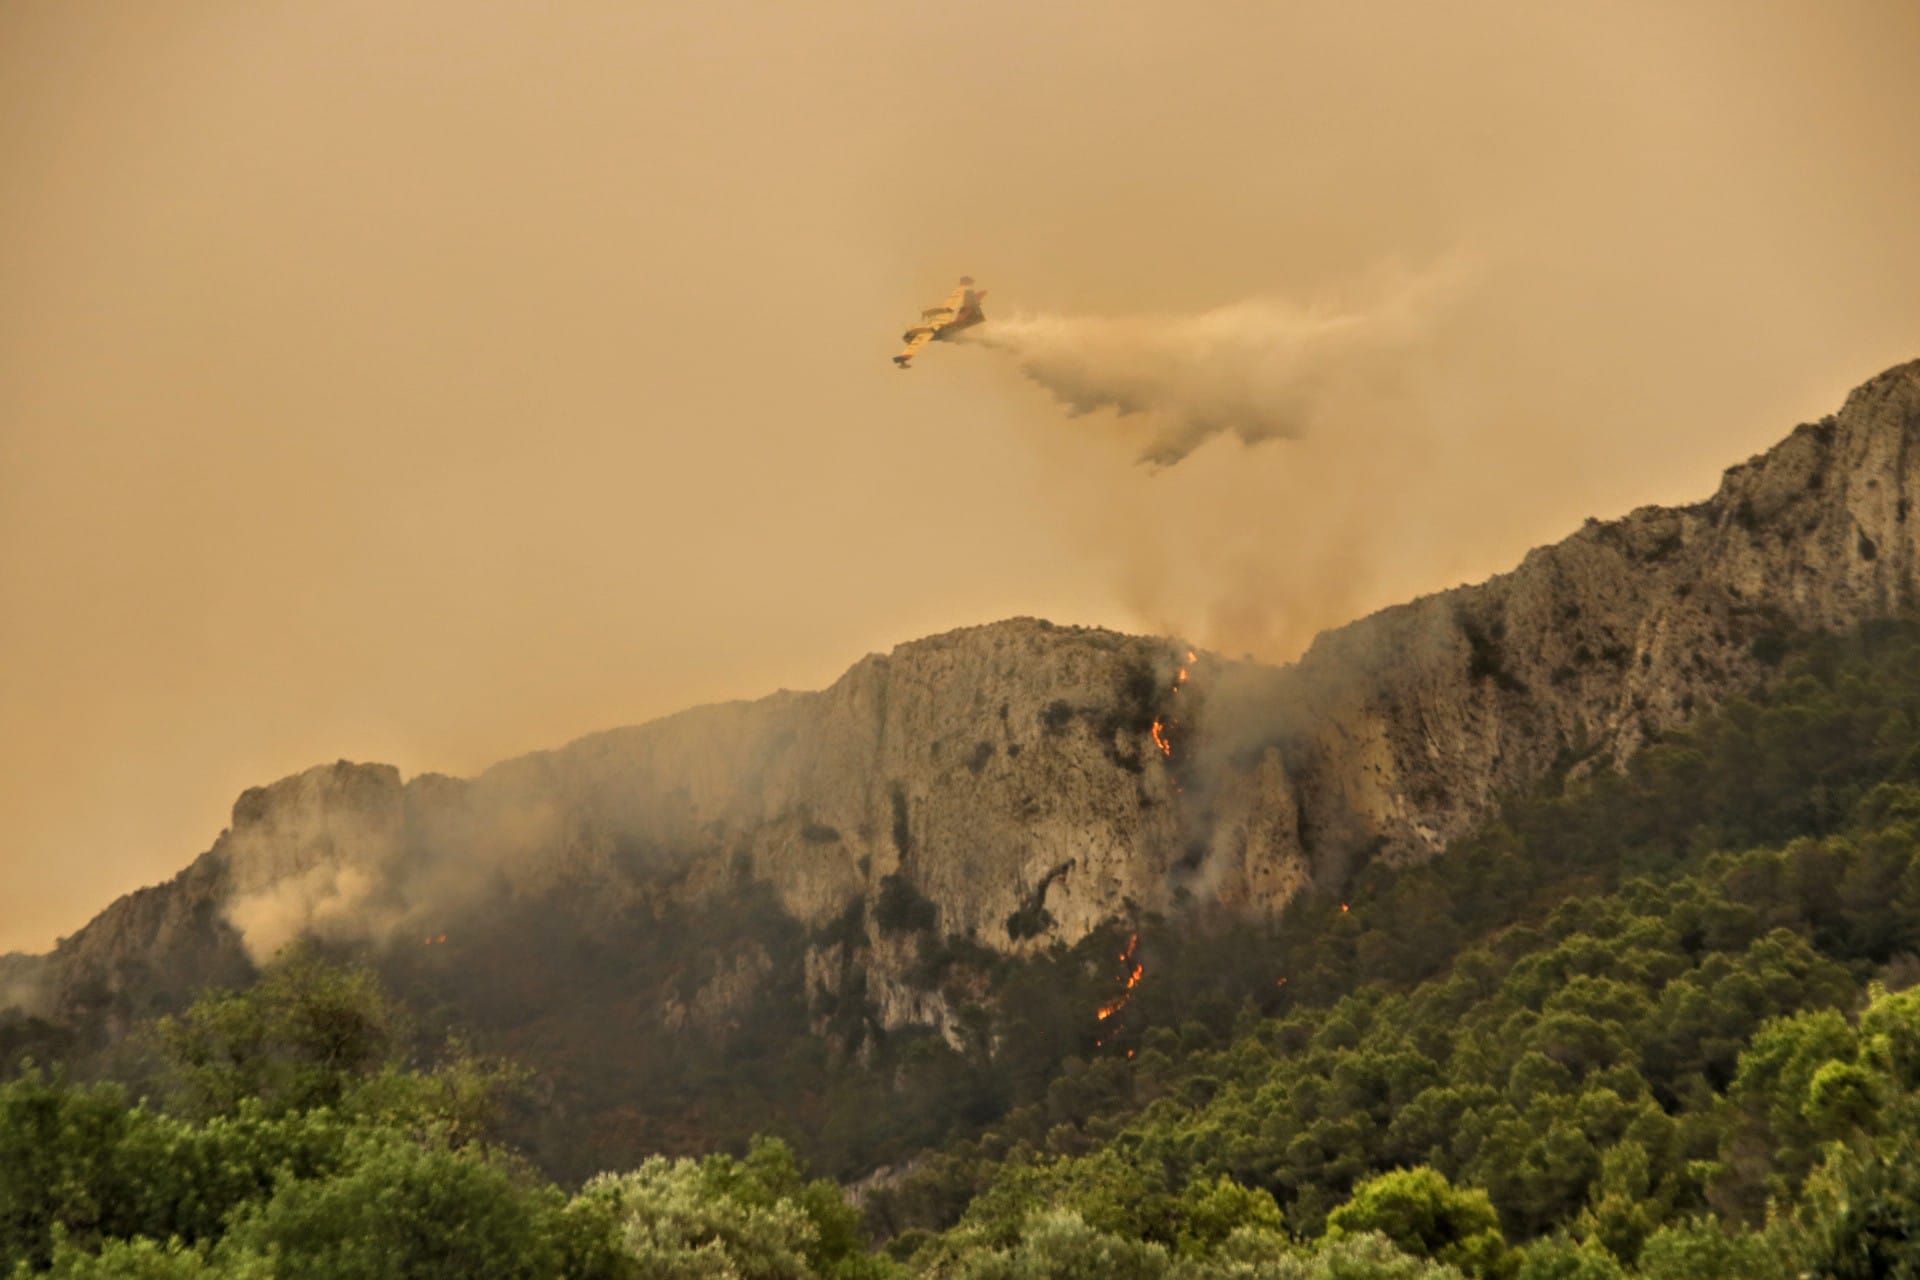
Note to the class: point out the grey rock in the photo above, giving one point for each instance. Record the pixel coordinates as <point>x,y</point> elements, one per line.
<point>1003,784</point>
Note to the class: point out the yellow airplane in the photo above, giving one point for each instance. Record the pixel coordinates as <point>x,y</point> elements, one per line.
<point>960,311</point>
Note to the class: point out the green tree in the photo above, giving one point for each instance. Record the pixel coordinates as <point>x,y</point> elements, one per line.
<point>1423,1213</point>
<point>1209,1211</point>
<point>1060,1245</point>
<point>1860,1219</point>
<point>1702,1249</point>
<point>402,1209</point>
<point>756,1218</point>
<point>144,1259</point>
<point>1775,1074</point>
<point>1623,1211</point>
<point>1560,1258</point>
<point>299,1038</point>
<point>1362,1257</point>
<point>1890,1035</point>
<point>60,1172</point>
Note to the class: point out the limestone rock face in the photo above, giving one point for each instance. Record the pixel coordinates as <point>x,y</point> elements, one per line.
<point>1022,783</point>
<point>975,766</point>
<point>1399,731</point>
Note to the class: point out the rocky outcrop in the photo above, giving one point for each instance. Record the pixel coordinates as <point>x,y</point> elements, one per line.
<point>1018,784</point>
<point>1399,732</point>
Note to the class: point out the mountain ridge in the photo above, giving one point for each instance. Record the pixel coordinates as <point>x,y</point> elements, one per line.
<point>1005,784</point>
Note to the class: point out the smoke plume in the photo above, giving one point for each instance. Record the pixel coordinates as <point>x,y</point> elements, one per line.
<point>1260,369</point>
<point>23,986</point>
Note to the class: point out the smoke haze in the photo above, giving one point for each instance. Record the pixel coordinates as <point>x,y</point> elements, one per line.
<point>432,382</point>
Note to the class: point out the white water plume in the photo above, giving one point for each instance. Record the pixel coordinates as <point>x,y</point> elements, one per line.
<point>1259,369</point>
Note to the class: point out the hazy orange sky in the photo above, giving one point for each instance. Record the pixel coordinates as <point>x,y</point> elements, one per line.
<point>432,382</point>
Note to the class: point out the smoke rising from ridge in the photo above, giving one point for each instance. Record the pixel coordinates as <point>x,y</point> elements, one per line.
<point>1253,551</point>
<point>1260,369</point>
<point>22,985</point>
<point>438,407</point>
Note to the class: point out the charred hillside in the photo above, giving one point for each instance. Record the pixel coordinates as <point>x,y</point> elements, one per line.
<point>704,893</point>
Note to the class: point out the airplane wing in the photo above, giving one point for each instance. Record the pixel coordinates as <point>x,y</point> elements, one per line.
<point>946,311</point>
<point>917,339</point>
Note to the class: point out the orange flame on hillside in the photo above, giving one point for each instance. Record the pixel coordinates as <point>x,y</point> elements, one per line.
<point>1135,971</point>
<point>1162,727</point>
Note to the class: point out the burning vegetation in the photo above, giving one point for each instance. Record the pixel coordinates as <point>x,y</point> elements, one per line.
<point>1135,970</point>
<point>1165,726</point>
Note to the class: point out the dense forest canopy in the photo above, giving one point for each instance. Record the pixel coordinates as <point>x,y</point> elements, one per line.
<point>1659,1021</point>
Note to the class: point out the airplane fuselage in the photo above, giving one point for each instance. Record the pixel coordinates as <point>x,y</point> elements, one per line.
<point>962,311</point>
<point>941,331</point>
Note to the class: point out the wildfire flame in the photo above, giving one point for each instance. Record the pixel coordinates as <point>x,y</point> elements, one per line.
<point>1161,727</point>
<point>1135,971</point>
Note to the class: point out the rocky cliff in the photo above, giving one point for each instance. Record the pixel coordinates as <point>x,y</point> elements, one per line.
<point>1018,784</point>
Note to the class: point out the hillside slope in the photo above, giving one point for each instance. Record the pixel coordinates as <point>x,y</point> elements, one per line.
<point>1010,787</point>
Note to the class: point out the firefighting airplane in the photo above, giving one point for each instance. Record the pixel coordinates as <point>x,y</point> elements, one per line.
<point>960,311</point>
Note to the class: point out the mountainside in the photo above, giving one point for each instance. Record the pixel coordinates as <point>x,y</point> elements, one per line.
<point>1013,786</point>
